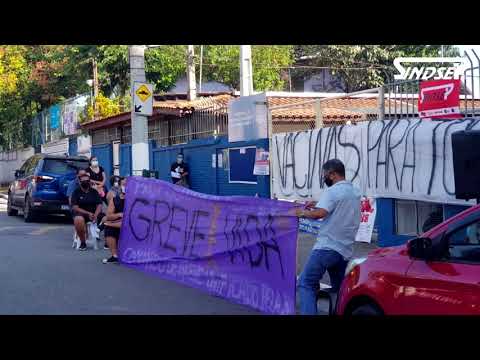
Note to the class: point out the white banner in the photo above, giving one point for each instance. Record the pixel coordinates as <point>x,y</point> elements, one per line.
<point>405,159</point>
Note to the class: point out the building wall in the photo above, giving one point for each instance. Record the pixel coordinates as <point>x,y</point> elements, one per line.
<point>11,161</point>
<point>59,147</point>
<point>324,81</point>
<point>388,230</point>
<point>205,176</point>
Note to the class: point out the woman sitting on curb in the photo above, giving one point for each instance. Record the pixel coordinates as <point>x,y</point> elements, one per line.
<point>113,222</point>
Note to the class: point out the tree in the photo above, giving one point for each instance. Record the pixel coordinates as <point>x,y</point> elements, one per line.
<point>105,107</point>
<point>361,66</point>
<point>14,84</point>
<point>222,63</point>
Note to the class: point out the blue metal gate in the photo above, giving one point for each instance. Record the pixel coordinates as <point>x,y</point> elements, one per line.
<point>125,160</point>
<point>72,146</point>
<point>104,153</point>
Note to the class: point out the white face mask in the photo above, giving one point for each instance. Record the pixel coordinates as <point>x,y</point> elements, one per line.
<point>115,184</point>
<point>123,189</point>
<point>94,163</point>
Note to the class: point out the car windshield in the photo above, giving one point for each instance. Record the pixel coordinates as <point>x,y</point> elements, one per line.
<point>62,167</point>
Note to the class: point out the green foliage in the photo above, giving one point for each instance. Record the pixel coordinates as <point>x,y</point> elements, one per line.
<point>14,75</point>
<point>362,66</point>
<point>106,107</point>
<point>221,63</point>
<point>165,65</point>
<point>32,78</point>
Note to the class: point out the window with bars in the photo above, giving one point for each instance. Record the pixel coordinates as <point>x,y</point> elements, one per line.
<point>412,217</point>
<point>105,136</point>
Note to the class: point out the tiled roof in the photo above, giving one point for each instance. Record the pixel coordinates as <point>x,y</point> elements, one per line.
<point>336,110</point>
<point>308,113</point>
<point>219,101</point>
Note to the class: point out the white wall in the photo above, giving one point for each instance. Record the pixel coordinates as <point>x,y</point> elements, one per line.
<point>11,161</point>
<point>407,159</point>
<point>59,147</point>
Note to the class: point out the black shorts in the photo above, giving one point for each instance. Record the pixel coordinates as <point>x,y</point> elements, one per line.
<point>87,219</point>
<point>112,232</point>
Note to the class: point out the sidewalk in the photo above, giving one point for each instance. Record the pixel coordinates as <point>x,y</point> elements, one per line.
<point>306,241</point>
<point>305,244</point>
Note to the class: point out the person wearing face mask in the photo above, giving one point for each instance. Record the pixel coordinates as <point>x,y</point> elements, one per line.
<point>339,210</point>
<point>97,177</point>
<point>114,221</point>
<point>179,172</point>
<point>86,207</point>
<point>74,184</point>
<point>114,187</point>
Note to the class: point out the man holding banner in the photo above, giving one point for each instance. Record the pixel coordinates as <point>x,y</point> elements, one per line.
<point>339,209</point>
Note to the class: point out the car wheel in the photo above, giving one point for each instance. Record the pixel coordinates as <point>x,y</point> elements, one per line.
<point>28,214</point>
<point>367,310</point>
<point>10,210</point>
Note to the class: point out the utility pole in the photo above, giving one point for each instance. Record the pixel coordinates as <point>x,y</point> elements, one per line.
<point>192,83</point>
<point>140,153</point>
<point>201,65</point>
<point>95,88</point>
<point>246,78</point>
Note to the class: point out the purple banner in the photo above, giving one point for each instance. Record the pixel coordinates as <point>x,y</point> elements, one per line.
<point>239,248</point>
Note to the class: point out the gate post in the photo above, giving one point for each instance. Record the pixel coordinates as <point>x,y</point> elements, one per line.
<point>381,103</point>
<point>318,114</point>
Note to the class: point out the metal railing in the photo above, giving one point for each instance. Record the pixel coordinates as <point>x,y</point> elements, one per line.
<point>341,109</point>
<point>393,100</point>
<point>199,124</point>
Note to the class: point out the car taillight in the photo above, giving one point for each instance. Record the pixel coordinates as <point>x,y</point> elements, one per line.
<point>42,178</point>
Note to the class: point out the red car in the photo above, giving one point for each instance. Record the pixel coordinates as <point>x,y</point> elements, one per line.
<point>436,274</point>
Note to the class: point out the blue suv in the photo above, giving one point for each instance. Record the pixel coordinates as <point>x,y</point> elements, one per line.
<point>41,184</point>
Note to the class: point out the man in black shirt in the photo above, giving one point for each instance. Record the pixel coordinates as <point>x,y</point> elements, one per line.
<point>86,207</point>
<point>179,172</point>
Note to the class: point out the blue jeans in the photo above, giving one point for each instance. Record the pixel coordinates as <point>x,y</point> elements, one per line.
<point>309,283</point>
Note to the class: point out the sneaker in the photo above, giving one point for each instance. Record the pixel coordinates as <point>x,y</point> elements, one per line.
<point>82,247</point>
<point>105,247</point>
<point>111,259</point>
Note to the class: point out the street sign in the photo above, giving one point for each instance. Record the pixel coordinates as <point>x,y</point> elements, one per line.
<point>143,98</point>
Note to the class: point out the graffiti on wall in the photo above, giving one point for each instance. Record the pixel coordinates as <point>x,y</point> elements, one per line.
<point>407,159</point>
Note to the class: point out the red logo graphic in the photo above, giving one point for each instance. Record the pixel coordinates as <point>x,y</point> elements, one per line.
<point>366,209</point>
<point>439,99</point>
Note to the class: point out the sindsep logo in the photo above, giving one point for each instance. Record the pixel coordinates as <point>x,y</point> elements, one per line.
<point>457,67</point>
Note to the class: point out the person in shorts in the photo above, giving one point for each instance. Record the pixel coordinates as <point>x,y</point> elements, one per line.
<point>113,222</point>
<point>86,207</point>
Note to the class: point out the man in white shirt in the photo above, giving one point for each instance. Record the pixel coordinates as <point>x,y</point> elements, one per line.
<point>339,209</point>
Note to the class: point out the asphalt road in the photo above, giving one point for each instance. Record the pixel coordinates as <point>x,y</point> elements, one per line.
<point>41,274</point>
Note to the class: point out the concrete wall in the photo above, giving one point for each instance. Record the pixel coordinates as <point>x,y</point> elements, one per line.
<point>59,147</point>
<point>11,161</point>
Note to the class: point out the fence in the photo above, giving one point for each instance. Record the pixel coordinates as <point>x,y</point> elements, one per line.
<point>393,100</point>
<point>198,124</point>
<point>66,122</point>
<point>328,111</point>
